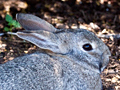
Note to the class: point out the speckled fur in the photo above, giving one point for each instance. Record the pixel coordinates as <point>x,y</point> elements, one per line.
<point>40,71</point>
<point>64,65</point>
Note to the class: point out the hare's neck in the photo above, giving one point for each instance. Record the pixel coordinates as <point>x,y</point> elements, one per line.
<point>80,62</point>
<point>86,63</point>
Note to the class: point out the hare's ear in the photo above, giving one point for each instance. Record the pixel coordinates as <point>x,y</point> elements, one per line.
<point>42,40</point>
<point>31,22</point>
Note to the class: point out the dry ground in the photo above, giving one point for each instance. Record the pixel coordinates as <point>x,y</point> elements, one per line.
<point>101,18</point>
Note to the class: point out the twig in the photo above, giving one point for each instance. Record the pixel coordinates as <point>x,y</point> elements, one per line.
<point>115,18</point>
<point>84,15</point>
<point>117,36</point>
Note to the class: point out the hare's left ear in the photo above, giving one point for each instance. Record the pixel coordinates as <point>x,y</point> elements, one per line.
<point>44,40</point>
<point>31,22</point>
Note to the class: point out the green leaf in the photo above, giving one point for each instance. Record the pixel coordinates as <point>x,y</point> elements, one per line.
<point>13,22</point>
<point>10,24</point>
<point>17,25</point>
<point>7,29</point>
<point>8,18</point>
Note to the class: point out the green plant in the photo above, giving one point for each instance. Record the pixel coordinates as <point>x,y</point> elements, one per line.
<point>11,23</point>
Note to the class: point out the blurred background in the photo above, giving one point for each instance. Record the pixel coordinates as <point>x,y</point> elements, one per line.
<point>99,16</point>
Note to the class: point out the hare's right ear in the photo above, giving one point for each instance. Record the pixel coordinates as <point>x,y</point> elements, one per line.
<point>31,22</point>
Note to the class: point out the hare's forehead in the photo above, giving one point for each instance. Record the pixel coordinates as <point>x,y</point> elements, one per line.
<point>89,37</point>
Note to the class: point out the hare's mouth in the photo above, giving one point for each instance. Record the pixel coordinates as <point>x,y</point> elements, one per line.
<point>104,60</point>
<point>100,66</point>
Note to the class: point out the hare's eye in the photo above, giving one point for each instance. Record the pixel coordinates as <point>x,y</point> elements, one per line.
<point>87,47</point>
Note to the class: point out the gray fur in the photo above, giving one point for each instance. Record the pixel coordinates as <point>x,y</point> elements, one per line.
<point>64,66</point>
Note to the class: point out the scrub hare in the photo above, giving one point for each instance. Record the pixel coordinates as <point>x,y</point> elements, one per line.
<point>72,59</point>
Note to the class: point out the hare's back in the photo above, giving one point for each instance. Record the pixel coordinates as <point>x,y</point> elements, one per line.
<point>29,73</point>
<point>40,71</point>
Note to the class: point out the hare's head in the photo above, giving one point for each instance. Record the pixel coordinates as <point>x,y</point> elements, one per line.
<point>82,45</point>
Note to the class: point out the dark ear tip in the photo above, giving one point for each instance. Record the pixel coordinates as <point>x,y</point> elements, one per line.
<point>19,16</point>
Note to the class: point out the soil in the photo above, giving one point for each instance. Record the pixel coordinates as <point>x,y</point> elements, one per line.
<point>101,17</point>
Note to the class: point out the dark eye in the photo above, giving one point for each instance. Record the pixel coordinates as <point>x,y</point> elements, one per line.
<point>87,47</point>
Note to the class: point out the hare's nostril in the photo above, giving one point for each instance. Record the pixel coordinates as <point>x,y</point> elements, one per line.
<point>87,47</point>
